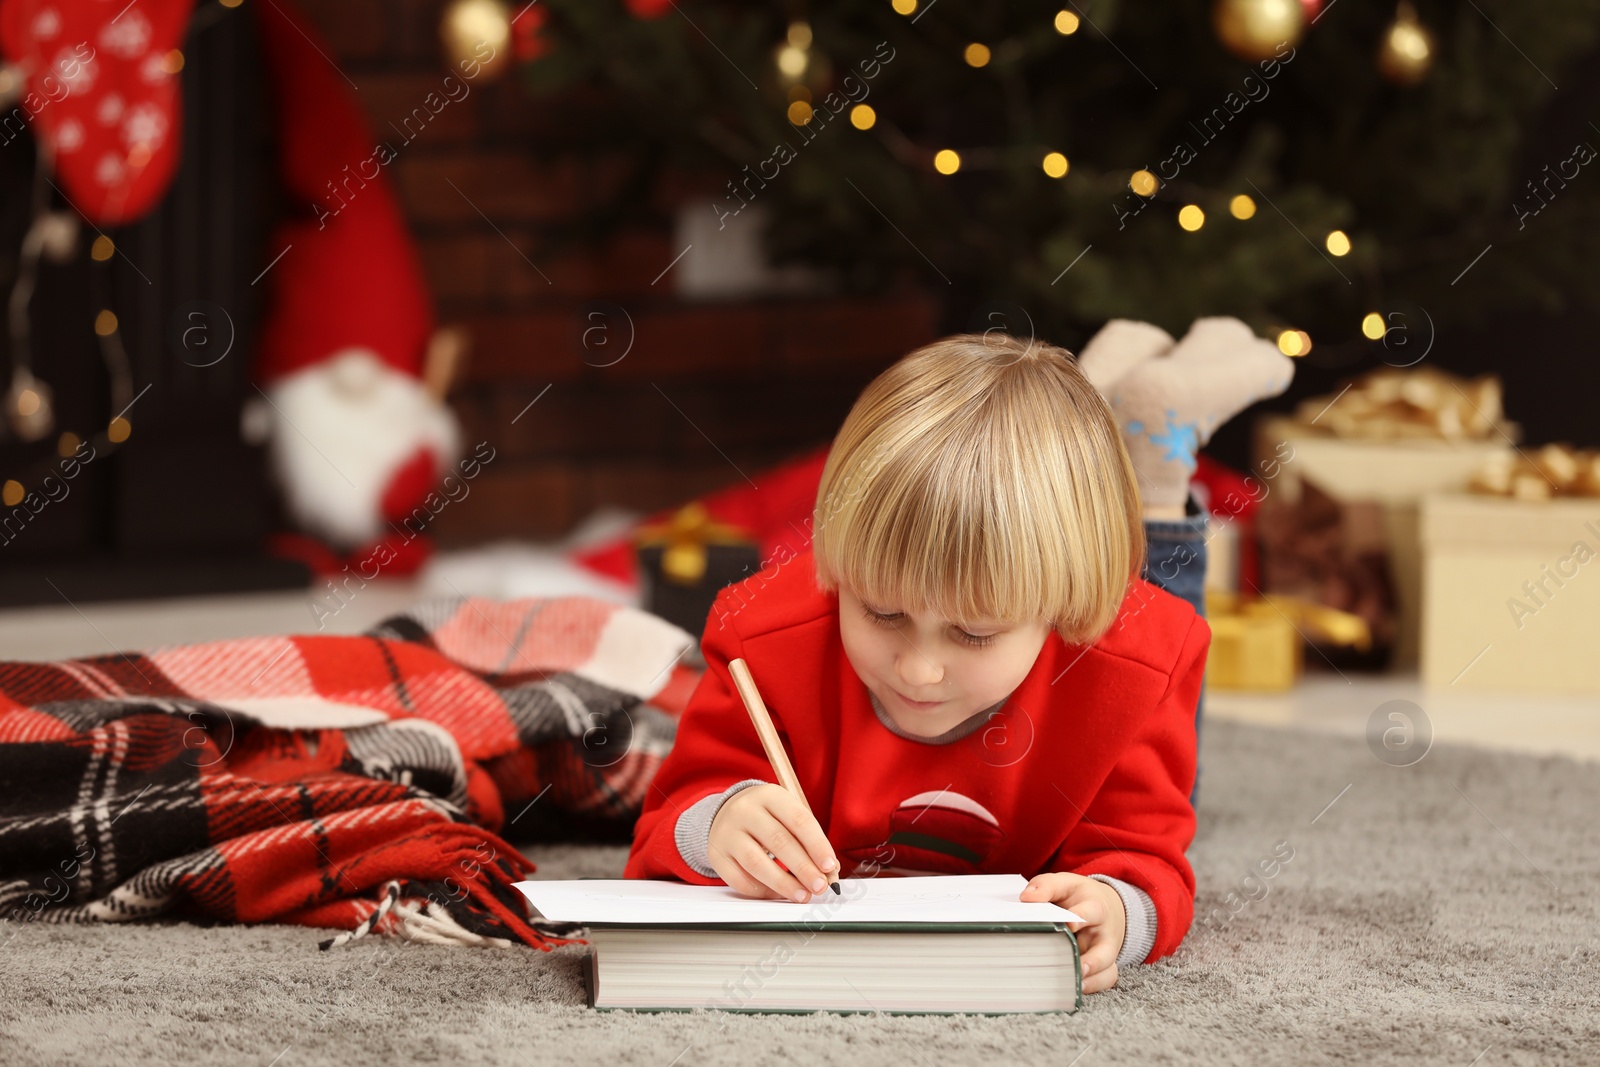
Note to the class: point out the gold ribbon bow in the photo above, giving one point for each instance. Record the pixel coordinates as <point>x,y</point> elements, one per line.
<point>1429,404</point>
<point>1552,471</point>
<point>684,538</point>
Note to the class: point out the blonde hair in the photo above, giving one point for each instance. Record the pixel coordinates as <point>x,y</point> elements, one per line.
<point>982,477</point>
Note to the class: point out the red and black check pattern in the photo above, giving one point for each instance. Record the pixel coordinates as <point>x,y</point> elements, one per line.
<point>361,783</point>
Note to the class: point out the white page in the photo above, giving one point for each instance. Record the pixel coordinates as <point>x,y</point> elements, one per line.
<point>931,899</point>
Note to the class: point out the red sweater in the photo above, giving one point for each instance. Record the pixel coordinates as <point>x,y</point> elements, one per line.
<point>1086,767</point>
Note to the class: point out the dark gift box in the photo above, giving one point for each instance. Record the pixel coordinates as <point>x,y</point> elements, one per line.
<point>687,560</point>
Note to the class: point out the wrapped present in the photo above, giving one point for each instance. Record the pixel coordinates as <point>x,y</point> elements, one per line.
<point>686,561</point>
<point>1385,440</point>
<point>1259,644</point>
<point>1511,592</point>
<point>1338,554</point>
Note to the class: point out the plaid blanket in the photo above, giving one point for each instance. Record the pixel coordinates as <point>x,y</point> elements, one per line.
<point>360,783</point>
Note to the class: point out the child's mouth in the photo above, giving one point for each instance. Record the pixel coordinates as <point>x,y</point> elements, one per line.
<point>920,705</point>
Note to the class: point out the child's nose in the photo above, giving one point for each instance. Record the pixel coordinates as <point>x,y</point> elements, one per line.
<point>917,670</point>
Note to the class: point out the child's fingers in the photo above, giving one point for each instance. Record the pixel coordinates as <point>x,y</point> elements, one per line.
<point>811,850</point>
<point>752,855</point>
<point>1097,952</point>
<point>1053,886</point>
<point>739,879</point>
<point>1079,894</point>
<point>785,847</point>
<point>1100,980</point>
<point>1070,891</point>
<point>1091,909</point>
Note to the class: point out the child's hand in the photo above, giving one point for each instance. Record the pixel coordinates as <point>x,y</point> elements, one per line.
<point>763,821</point>
<point>1105,921</point>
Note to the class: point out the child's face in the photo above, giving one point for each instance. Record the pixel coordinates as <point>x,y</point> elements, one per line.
<point>908,658</point>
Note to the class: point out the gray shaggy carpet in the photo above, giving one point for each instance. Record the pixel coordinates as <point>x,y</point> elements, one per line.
<point>1444,912</point>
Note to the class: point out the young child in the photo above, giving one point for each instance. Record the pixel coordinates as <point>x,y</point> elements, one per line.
<point>968,672</point>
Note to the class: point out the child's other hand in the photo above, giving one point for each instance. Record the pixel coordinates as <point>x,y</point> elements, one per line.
<point>1105,922</point>
<point>763,819</point>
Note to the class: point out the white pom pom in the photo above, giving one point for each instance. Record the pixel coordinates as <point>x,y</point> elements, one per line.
<point>340,430</point>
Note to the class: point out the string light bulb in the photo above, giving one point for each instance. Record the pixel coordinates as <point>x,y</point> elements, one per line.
<point>792,61</point>
<point>862,116</point>
<point>1191,218</point>
<point>1066,22</point>
<point>1055,165</point>
<point>1294,342</point>
<point>1143,183</point>
<point>947,161</point>
<point>1242,207</point>
<point>1338,243</point>
<point>977,55</point>
<point>1372,326</point>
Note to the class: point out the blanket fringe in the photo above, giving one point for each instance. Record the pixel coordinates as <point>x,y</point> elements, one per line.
<point>429,922</point>
<point>391,893</point>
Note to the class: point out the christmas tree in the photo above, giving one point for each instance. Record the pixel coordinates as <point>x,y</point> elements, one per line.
<point>1306,166</point>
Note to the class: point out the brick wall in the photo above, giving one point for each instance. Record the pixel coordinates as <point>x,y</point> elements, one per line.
<point>705,388</point>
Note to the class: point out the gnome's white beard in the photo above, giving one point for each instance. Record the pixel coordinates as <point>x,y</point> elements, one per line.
<point>340,430</point>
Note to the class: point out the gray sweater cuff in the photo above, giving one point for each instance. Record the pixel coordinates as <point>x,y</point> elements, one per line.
<point>693,832</point>
<point>1141,933</point>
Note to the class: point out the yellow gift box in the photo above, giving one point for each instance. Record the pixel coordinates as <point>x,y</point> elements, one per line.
<point>1259,645</point>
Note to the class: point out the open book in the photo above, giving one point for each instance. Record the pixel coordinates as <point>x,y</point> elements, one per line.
<point>906,945</point>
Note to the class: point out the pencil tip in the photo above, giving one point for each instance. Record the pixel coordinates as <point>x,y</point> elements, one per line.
<point>836,888</point>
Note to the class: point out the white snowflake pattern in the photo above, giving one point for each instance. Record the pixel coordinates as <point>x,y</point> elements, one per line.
<point>69,135</point>
<point>146,125</point>
<point>153,68</point>
<point>76,71</point>
<point>110,109</point>
<point>47,23</point>
<point>109,170</point>
<point>127,36</point>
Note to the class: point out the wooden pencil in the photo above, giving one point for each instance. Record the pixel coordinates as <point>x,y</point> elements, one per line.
<point>768,734</point>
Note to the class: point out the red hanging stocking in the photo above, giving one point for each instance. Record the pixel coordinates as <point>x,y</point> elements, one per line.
<point>102,96</point>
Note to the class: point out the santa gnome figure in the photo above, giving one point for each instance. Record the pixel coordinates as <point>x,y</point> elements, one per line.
<point>351,370</point>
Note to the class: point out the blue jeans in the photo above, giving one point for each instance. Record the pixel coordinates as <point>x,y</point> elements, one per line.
<point>1176,562</point>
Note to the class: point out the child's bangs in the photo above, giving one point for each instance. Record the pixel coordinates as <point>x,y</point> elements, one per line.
<point>946,543</point>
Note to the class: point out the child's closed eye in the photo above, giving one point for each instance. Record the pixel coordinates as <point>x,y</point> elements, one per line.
<point>882,619</point>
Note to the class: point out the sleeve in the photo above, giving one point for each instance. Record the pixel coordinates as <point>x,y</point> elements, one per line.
<point>1140,936</point>
<point>1140,823</point>
<point>716,746</point>
<point>693,828</point>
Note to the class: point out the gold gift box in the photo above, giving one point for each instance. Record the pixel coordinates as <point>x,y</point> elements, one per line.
<point>1259,645</point>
